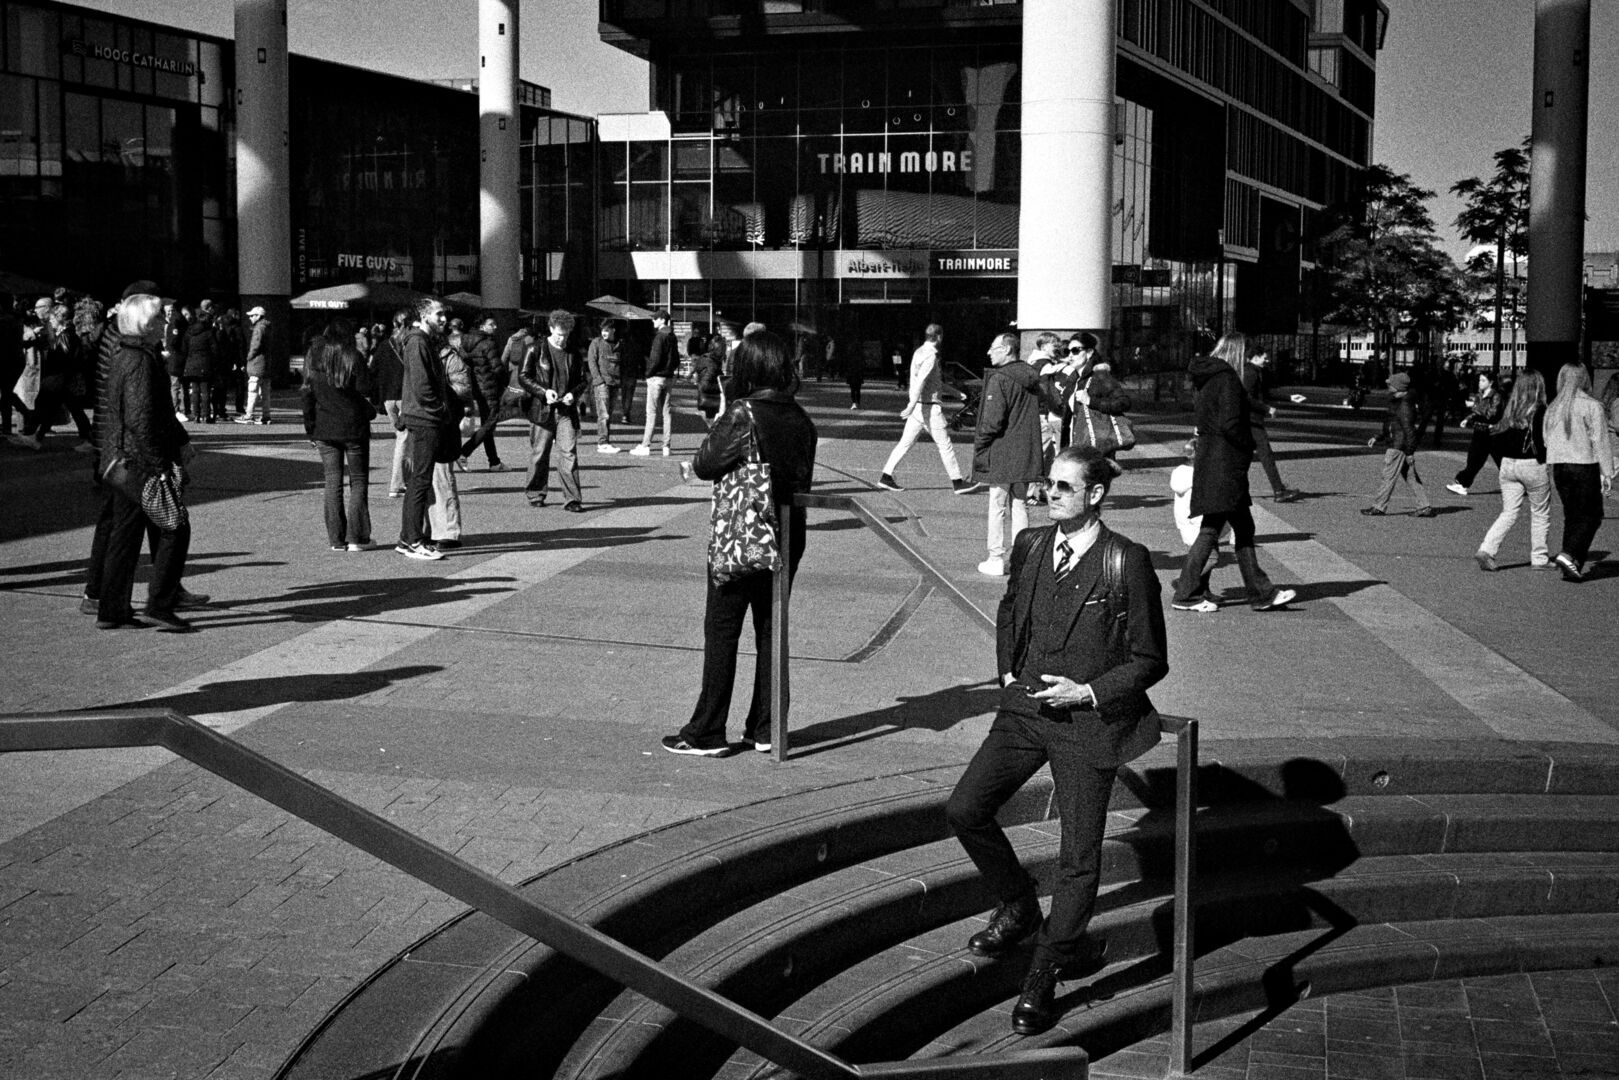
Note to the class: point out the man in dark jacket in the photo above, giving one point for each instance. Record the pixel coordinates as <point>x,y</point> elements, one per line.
<point>1259,411</point>
<point>1400,459</point>
<point>1225,450</point>
<point>662,361</point>
<point>424,410</point>
<point>1006,445</point>
<point>554,378</point>
<point>489,376</point>
<point>1079,639</point>
<point>390,387</point>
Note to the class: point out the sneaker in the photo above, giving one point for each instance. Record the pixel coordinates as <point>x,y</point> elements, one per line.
<point>1203,606</point>
<point>418,550</point>
<point>574,507</point>
<point>1486,561</point>
<point>965,487</point>
<point>641,450</point>
<point>1426,511</point>
<point>1570,568</point>
<point>354,547</point>
<point>186,600</point>
<point>244,420</point>
<point>888,483</point>
<point>1455,488</point>
<point>676,745</point>
<point>84,446</point>
<point>994,566</point>
<point>182,417</point>
<point>667,451</point>
<point>1371,511</point>
<point>391,494</point>
<point>606,448</point>
<point>1278,598</point>
<point>339,547</point>
<point>762,747</point>
<point>853,406</point>
<point>500,466</point>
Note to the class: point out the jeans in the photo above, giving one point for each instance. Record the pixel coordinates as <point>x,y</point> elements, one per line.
<point>198,398</point>
<point>1521,478</point>
<point>1267,460</point>
<point>1193,583</point>
<point>129,525</point>
<point>350,524</point>
<point>626,401</point>
<point>444,512</point>
<point>1579,487</point>
<point>931,416</point>
<point>1398,465</point>
<point>177,393</point>
<point>1002,497</point>
<point>1014,750</point>
<point>564,433</point>
<point>258,396</point>
<point>726,607</point>
<point>396,476</point>
<point>605,396</point>
<point>486,430</point>
<point>659,401</point>
<point>421,444</point>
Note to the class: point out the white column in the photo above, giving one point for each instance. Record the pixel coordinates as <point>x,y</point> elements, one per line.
<point>499,211</point>
<point>263,209</point>
<point>1558,126</point>
<point>1065,223</point>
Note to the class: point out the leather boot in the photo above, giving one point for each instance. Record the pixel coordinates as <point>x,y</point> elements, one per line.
<point>1036,1008</point>
<point>1010,924</point>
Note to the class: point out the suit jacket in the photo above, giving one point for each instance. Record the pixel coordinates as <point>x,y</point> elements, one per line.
<point>1120,654</point>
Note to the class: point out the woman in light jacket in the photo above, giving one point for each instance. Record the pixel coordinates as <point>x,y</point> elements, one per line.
<point>1581,456</point>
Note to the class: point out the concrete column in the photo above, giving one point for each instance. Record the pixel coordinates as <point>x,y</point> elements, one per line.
<point>263,209</point>
<point>1557,195</point>
<point>499,210</point>
<point>1065,223</point>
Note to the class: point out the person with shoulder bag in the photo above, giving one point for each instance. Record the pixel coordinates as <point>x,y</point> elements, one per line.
<point>760,453</point>
<point>1097,407</point>
<point>144,452</point>
<point>1518,443</point>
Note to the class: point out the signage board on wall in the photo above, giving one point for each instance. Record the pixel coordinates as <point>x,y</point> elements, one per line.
<point>97,51</point>
<point>987,262</point>
<point>880,264</point>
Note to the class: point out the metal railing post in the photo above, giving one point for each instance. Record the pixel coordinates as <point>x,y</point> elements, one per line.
<point>1180,1036</point>
<point>780,593</point>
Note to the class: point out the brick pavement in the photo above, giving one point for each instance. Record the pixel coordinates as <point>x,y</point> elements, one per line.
<point>506,703</point>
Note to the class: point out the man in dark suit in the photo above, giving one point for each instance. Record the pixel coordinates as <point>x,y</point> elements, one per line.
<point>1079,640</point>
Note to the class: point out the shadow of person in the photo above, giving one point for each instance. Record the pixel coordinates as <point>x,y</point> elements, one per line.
<point>940,710</point>
<point>231,695</point>
<point>1263,836</point>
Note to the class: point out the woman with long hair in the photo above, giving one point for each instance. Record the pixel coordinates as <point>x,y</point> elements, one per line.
<point>1484,411</point>
<point>1225,450</point>
<point>1518,444</point>
<point>1581,456</point>
<point>763,413</point>
<point>337,418</point>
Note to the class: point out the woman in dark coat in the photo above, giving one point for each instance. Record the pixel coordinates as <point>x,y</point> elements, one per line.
<point>201,364</point>
<point>337,418</point>
<point>1225,450</point>
<point>763,387</point>
<point>141,430</point>
<point>707,365</point>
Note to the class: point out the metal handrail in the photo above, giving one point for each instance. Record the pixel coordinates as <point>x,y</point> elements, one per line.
<point>426,862</point>
<point>1182,728</point>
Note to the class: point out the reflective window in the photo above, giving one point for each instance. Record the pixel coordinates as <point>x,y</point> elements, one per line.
<point>33,41</point>
<point>19,127</point>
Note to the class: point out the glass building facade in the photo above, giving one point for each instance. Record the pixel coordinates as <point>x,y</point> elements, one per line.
<point>856,167</point>
<point>116,163</point>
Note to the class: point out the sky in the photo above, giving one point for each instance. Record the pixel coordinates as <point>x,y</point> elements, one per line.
<point>1454,77</point>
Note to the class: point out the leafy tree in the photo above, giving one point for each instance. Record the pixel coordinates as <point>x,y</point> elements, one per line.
<point>1384,269</point>
<point>1496,211</point>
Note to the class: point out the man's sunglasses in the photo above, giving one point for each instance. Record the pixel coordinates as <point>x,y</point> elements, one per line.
<point>1074,350</point>
<point>1063,488</point>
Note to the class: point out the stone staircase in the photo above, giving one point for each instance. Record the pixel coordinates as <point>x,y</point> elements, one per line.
<point>843,912</point>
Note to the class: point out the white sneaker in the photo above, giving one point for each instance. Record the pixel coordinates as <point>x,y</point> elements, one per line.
<point>182,417</point>
<point>994,566</point>
<point>642,450</point>
<point>1456,488</point>
<point>1278,598</point>
<point>418,550</point>
<point>606,448</point>
<point>666,451</point>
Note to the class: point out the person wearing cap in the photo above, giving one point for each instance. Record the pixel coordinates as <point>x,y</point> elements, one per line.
<point>1399,436</point>
<point>662,361</point>
<point>258,369</point>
